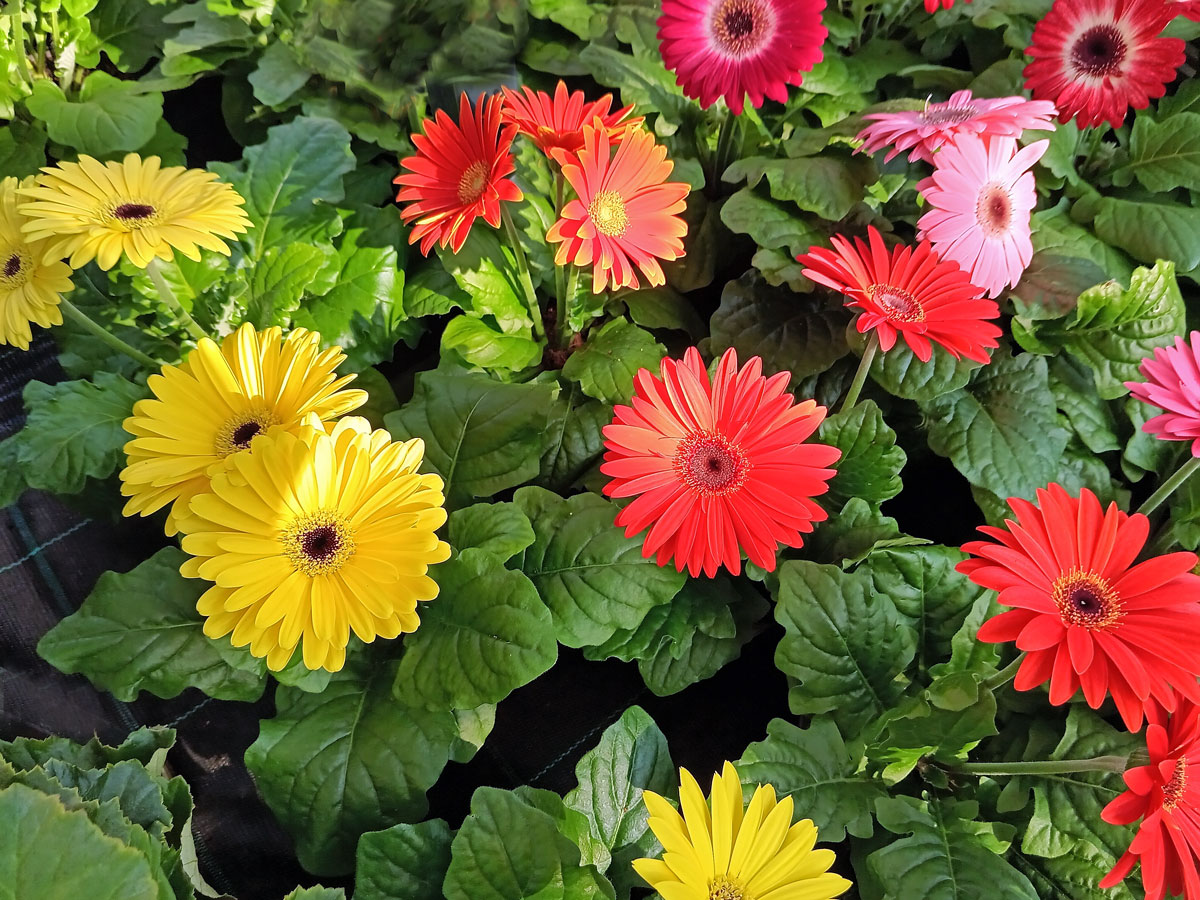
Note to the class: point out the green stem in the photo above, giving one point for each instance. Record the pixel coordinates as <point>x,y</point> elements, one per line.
<point>19,41</point>
<point>1168,487</point>
<point>81,318</point>
<point>1045,767</point>
<point>864,366</point>
<point>563,308</point>
<point>535,311</point>
<point>725,141</point>
<point>167,296</point>
<point>1005,675</point>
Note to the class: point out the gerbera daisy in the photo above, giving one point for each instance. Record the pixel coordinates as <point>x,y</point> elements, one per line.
<point>1165,795</point>
<point>30,287</point>
<point>212,405</point>
<point>459,173</point>
<point>626,213</point>
<point>1188,8</point>
<point>314,535</point>
<point>1084,614</point>
<point>722,850</point>
<point>717,467</point>
<point>907,291</point>
<point>1173,385</point>
<point>556,123</point>
<point>92,210</point>
<point>931,6</point>
<point>940,123</point>
<point>981,194</point>
<point>1095,58</point>
<point>732,48</point>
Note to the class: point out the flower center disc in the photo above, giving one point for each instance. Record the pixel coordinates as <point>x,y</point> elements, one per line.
<point>135,215</point>
<point>607,212</point>
<point>1099,51</point>
<point>897,304</point>
<point>473,181</point>
<point>993,210</point>
<point>1086,599</point>
<point>740,27</point>
<point>318,543</point>
<point>237,433</point>
<point>945,115</point>
<point>711,465</point>
<point>1173,789</point>
<point>16,270</point>
<point>721,888</point>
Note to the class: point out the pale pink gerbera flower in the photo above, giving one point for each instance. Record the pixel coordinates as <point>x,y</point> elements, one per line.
<point>940,123</point>
<point>981,193</point>
<point>1173,385</point>
<point>739,47</point>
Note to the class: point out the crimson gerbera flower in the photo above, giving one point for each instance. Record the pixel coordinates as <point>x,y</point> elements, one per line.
<point>908,291</point>
<point>717,467</point>
<point>1173,384</point>
<point>626,212</point>
<point>1094,58</point>
<point>1165,795</point>
<point>928,129</point>
<point>732,48</point>
<point>1084,614</point>
<point>556,123</point>
<point>457,174</point>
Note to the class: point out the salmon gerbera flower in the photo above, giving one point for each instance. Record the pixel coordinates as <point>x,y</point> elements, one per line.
<point>717,467</point>
<point>732,48</point>
<point>626,213</point>
<point>1093,59</point>
<point>908,292</point>
<point>1084,614</point>
<point>556,123</point>
<point>1173,385</point>
<point>457,174</point>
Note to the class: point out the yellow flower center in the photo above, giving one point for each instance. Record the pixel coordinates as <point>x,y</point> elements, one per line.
<point>237,432</point>
<point>473,181</point>
<point>132,216</point>
<point>607,211</point>
<point>18,266</point>
<point>318,543</point>
<point>1086,599</point>
<point>710,464</point>
<point>722,888</point>
<point>1173,789</point>
<point>897,304</point>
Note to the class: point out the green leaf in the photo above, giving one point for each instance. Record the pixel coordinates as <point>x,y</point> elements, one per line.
<point>22,148</point>
<point>130,32</point>
<point>899,372</point>
<point>1054,232</point>
<point>479,343</point>
<point>317,892</point>
<point>140,631</point>
<point>74,432</point>
<point>109,115</point>
<point>487,634</point>
<point>871,462</point>
<point>845,643</point>
<point>574,437</point>
<point>143,745</point>
<point>346,761</point>
<point>1050,287</point>
<point>432,291</point>
<point>12,481</point>
<point>604,367</point>
<point>814,767</point>
<point>1163,154</point>
<point>829,185</point>
<point>274,286</point>
<point>594,579</point>
<point>664,307</point>
<point>1151,231</point>
<point>484,269</point>
<point>847,538</point>
<point>278,75</point>
<point>500,529</point>
<point>404,862</point>
<point>481,436</point>
<point>1073,876</point>
<point>1001,431</point>
<point>1075,394</point>
<point>772,225</point>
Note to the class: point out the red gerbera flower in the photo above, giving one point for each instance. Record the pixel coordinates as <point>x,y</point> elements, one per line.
<point>1165,795</point>
<point>717,467</point>
<point>556,123</point>
<point>457,174</point>
<point>1095,58</point>
<point>1084,614</point>
<point>1173,384</point>
<point>908,291</point>
<point>932,5</point>
<point>626,212</point>
<point>738,47</point>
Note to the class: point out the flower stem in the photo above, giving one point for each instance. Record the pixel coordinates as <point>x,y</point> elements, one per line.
<point>864,366</point>
<point>84,321</point>
<point>167,296</point>
<point>725,141</point>
<point>563,307</point>
<point>1168,487</point>
<point>19,40</point>
<point>535,311</point>
<point>1005,675</point>
<point>1045,766</point>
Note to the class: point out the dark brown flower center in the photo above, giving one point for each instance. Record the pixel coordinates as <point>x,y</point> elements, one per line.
<point>12,267</point>
<point>243,434</point>
<point>473,181</point>
<point>1099,51</point>
<point>318,543</point>
<point>1173,789</point>
<point>993,210</point>
<point>896,303</point>
<point>940,114</point>
<point>238,432</point>
<point>1086,599</point>
<point>710,464</point>
<point>740,26</point>
<point>133,211</point>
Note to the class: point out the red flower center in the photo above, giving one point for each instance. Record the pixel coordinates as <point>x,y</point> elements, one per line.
<point>710,464</point>
<point>607,211</point>
<point>1086,599</point>
<point>1173,789</point>
<point>943,115</point>
<point>133,211</point>
<point>993,209</point>
<point>739,26</point>
<point>13,266</point>
<point>1099,51</point>
<point>473,181</point>
<point>896,303</point>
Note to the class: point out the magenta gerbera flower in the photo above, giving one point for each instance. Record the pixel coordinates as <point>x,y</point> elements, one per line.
<point>1173,385</point>
<point>732,48</point>
<point>940,123</point>
<point>981,194</point>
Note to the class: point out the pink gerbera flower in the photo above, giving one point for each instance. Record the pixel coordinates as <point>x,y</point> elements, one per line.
<point>940,123</point>
<point>981,194</point>
<point>1173,385</point>
<point>732,48</point>
<point>932,5</point>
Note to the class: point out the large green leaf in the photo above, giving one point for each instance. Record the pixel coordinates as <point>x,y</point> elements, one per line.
<point>1075,393</point>
<point>22,148</point>
<point>129,32</point>
<point>853,533</point>
<point>272,288</point>
<point>278,75</point>
<point>594,579</point>
<point>140,631</point>
<point>485,270</point>
<point>1151,231</point>
<point>1164,154</point>
<point>500,529</point>
<point>604,367</point>
<point>574,437</point>
<point>348,760</point>
<point>108,116</point>
<point>1073,876</point>
<point>772,225</point>
<point>899,372</point>
<point>871,462</point>
<point>143,745</point>
<point>480,343</point>
<point>829,185</point>
<point>404,862</point>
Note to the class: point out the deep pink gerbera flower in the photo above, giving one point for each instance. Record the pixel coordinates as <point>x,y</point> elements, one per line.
<point>1173,385</point>
<point>732,48</point>
<point>1096,58</point>
<point>940,123</point>
<point>981,194</point>
<point>932,5</point>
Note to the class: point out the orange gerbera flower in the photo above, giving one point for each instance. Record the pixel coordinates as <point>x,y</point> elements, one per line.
<point>457,174</point>
<point>626,212</point>
<point>556,123</point>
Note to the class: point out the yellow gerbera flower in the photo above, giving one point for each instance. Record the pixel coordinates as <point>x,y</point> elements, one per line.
<point>315,534</point>
<point>210,407</point>
<point>30,289</point>
<point>92,210</point>
<point>728,854</point>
